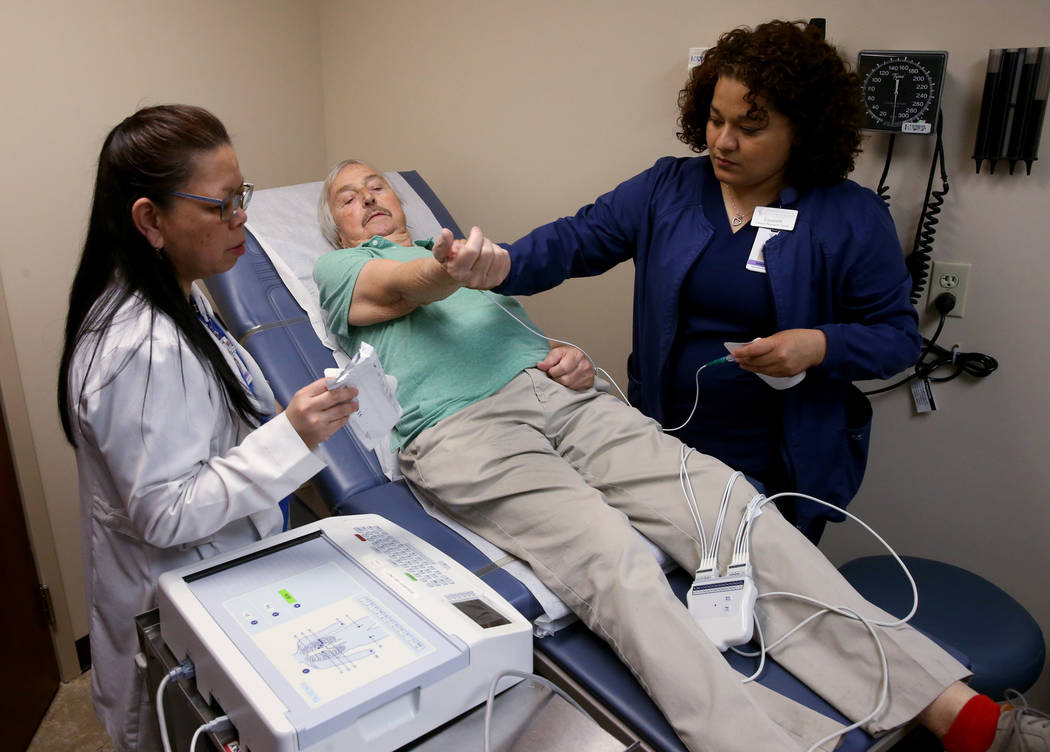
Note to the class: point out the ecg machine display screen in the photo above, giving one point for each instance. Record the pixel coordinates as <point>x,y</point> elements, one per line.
<point>319,628</point>
<point>325,633</point>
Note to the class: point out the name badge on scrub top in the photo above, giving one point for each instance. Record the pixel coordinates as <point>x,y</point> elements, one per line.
<point>756,262</point>
<point>774,218</point>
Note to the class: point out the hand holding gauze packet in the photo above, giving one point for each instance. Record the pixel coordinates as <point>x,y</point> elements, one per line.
<point>777,382</point>
<point>378,409</point>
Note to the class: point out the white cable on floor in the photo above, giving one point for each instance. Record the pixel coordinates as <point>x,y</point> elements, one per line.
<point>528,677</point>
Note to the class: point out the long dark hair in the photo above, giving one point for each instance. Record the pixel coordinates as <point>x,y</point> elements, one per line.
<point>149,154</point>
<point>790,66</point>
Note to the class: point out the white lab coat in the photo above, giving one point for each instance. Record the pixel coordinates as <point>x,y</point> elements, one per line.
<point>167,477</point>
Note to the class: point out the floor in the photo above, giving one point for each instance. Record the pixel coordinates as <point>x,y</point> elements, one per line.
<point>70,724</point>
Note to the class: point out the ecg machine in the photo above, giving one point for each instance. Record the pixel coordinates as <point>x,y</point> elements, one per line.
<point>347,633</point>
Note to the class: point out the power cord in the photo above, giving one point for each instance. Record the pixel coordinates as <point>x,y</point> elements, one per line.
<point>934,356</point>
<point>184,670</point>
<point>490,699</point>
<point>214,723</point>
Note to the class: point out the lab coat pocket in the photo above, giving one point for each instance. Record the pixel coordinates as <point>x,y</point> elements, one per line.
<point>117,521</point>
<point>141,729</point>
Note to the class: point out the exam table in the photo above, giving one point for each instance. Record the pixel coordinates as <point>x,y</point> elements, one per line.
<point>258,308</point>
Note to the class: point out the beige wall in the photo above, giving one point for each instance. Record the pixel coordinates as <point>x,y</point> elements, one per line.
<point>521,112</point>
<point>518,113</point>
<point>69,72</point>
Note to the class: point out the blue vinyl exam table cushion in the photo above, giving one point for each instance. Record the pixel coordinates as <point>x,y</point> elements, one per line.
<point>264,316</point>
<point>590,660</point>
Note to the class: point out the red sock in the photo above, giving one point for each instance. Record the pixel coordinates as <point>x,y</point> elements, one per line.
<point>973,730</point>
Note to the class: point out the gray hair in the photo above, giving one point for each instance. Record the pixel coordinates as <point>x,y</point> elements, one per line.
<point>324,211</point>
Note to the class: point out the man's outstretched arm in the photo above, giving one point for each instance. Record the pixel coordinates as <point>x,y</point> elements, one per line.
<point>388,289</point>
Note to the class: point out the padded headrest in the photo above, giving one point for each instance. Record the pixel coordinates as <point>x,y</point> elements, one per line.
<point>284,221</point>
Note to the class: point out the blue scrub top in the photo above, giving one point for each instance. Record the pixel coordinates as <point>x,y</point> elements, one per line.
<point>840,271</point>
<point>738,418</point>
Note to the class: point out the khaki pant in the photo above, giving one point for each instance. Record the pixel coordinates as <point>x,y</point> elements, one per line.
<point>558,478</point>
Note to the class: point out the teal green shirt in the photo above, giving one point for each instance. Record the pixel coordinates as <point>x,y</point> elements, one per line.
<point>446,355</point>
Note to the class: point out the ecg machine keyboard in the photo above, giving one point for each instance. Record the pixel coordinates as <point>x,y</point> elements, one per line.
<point>403,555</point>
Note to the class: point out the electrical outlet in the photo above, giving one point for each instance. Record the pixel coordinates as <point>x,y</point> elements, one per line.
<point>953,277</point>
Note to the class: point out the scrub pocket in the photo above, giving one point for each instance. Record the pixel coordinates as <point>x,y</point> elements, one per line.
<point>634,385</point>
<point>858,436</point>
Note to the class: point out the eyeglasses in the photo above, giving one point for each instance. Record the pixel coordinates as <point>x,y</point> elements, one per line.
<point>227,206</point>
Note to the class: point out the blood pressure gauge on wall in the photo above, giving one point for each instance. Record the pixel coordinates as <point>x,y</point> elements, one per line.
<point>902,90</point>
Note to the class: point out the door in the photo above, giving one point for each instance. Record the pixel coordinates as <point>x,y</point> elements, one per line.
<point>29,675</point>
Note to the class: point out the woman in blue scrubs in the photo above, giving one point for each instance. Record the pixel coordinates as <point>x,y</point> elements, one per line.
<point>181,453</point>
<point>760,240</point>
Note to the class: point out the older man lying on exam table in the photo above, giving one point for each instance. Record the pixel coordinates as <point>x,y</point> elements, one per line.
<point>562,477</point>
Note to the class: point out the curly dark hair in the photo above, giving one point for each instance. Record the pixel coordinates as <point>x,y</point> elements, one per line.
<point>789,66</point>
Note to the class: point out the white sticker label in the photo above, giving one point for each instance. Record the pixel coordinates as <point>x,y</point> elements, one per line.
<point>774,219</point>
<point>922,395</point>
<point>918,127</point>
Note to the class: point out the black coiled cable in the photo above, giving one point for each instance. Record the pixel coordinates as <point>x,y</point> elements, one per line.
<point>918,261</point>
<point>884,190</point>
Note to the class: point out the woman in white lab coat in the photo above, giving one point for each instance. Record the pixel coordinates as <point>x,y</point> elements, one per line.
<point>177,456</point>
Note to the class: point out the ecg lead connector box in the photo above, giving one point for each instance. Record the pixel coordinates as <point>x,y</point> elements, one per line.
<point>724,607</point>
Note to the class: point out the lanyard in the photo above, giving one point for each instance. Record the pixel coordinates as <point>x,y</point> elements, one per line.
<point>225,341</point>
